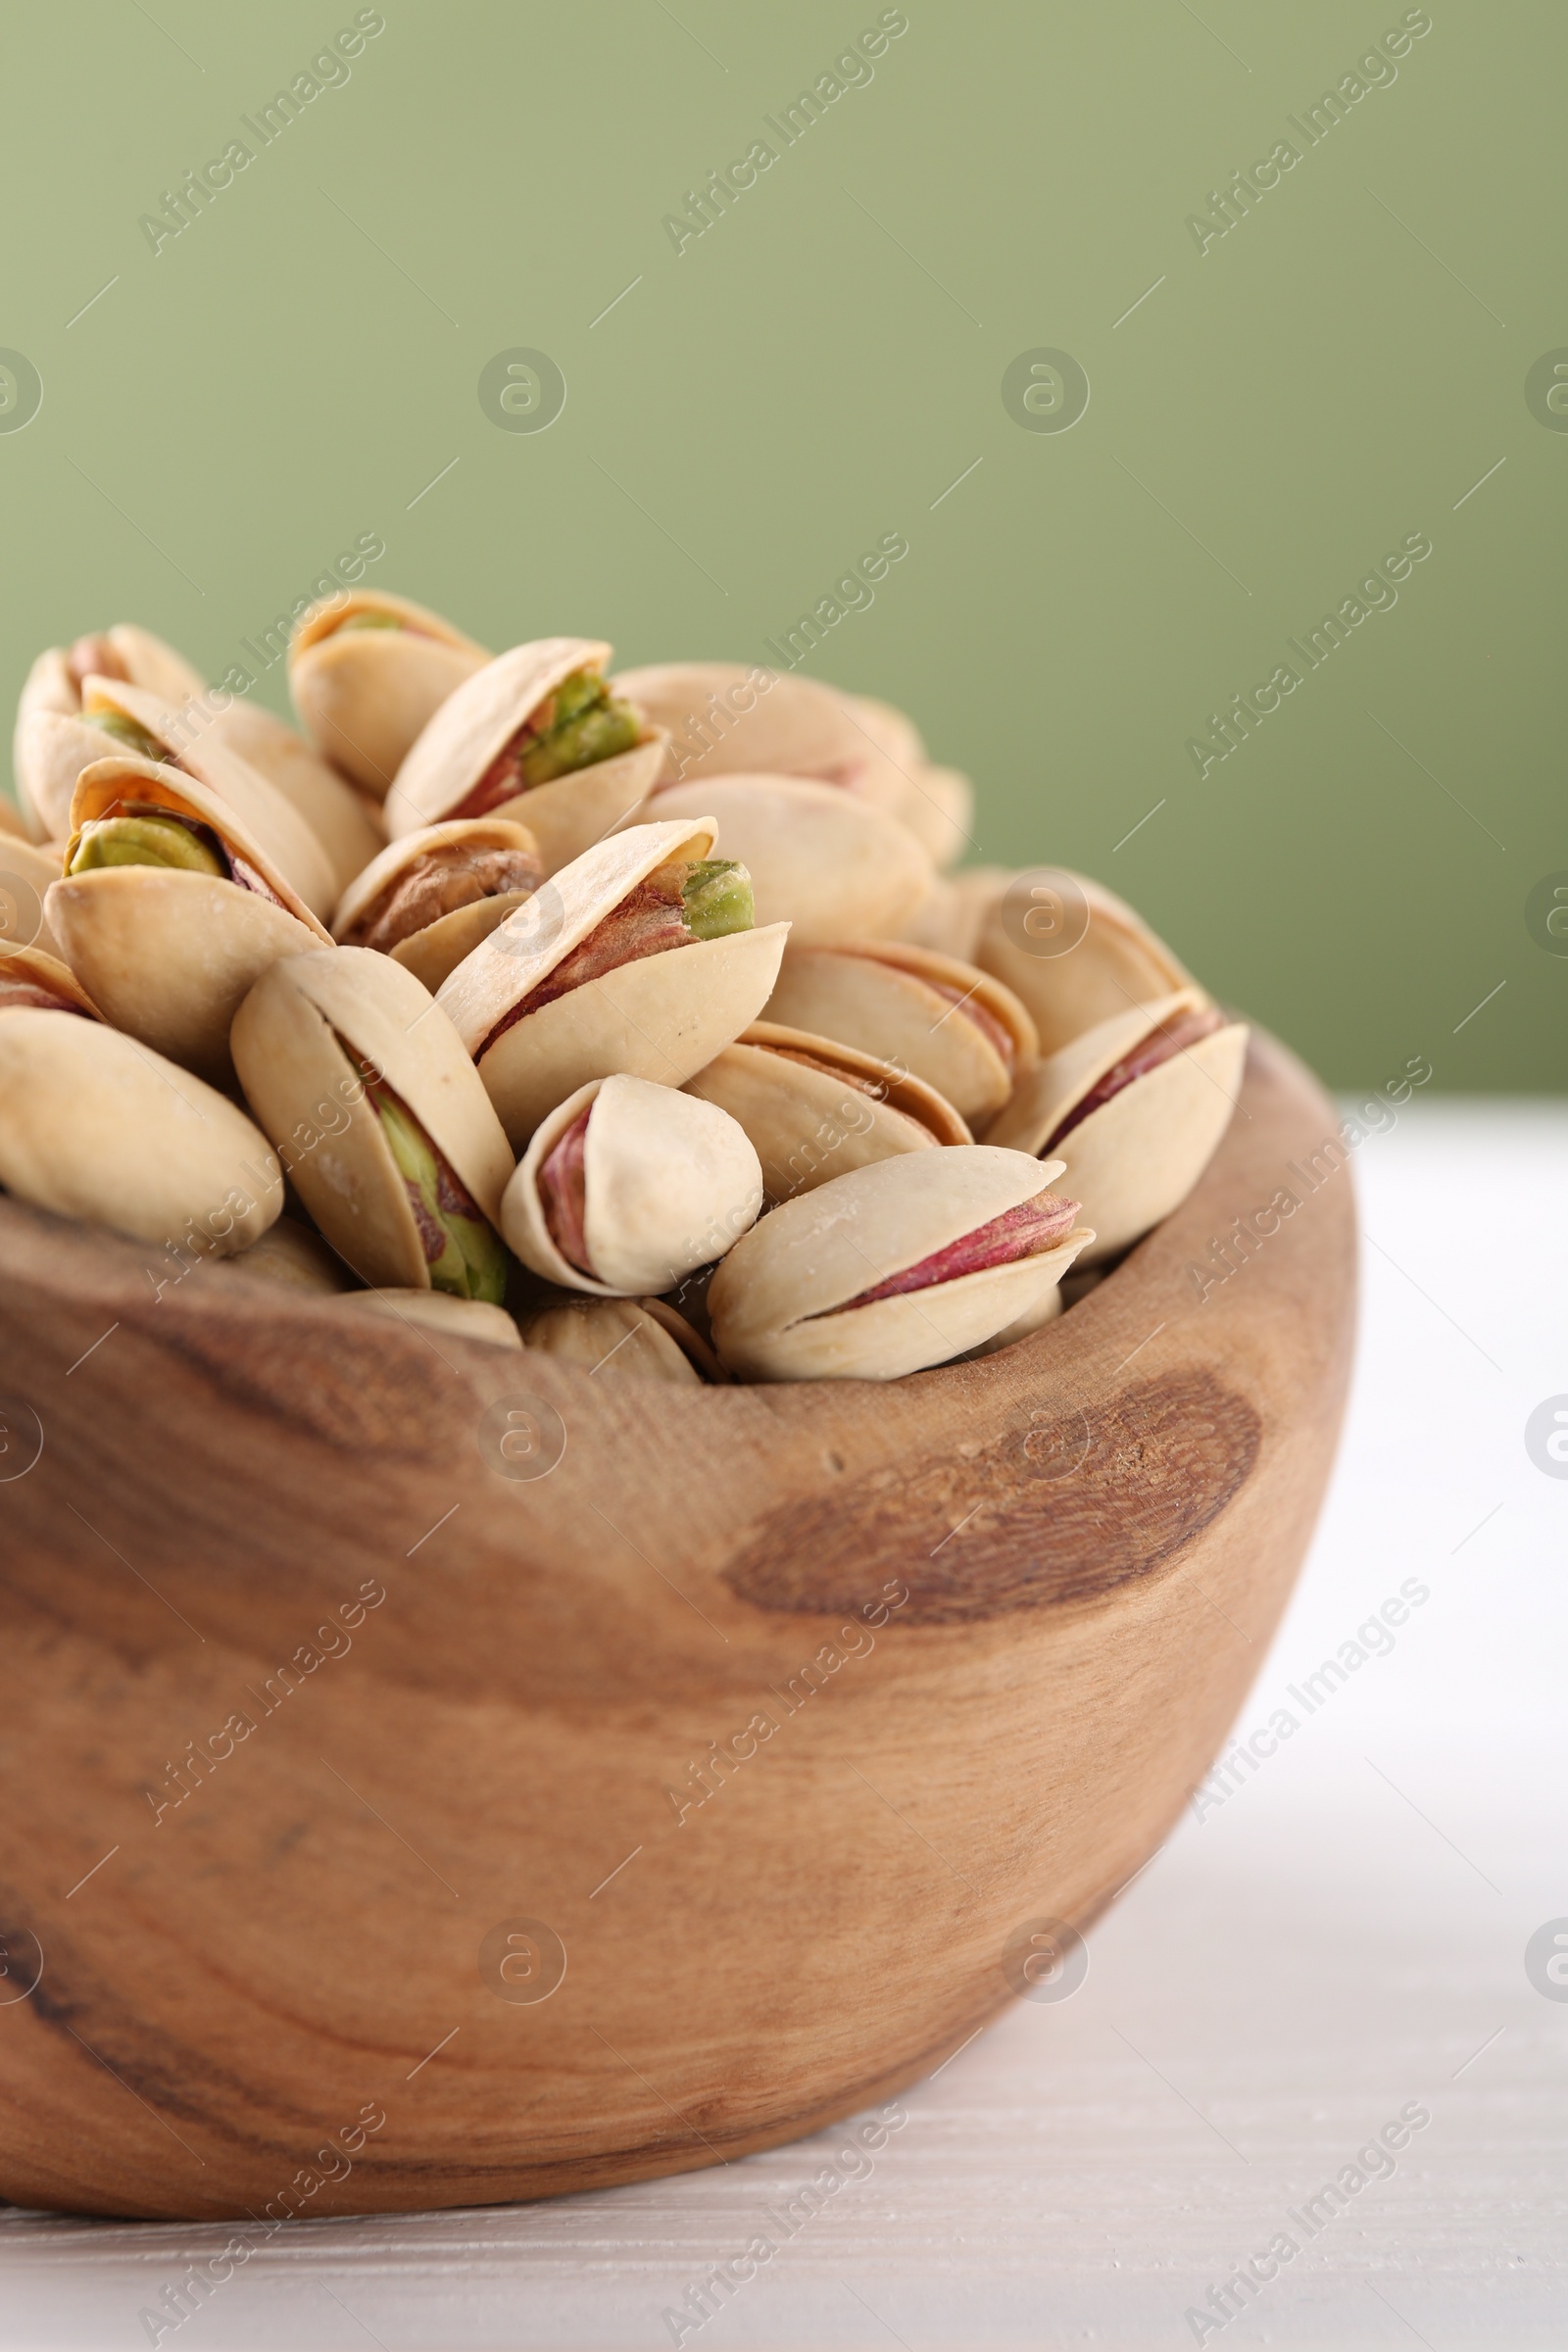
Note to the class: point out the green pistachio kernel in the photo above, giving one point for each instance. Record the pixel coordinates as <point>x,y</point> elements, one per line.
<point>589,725</point>
<point>125,730</point>
<point>373,620</point>
<point>717,897</point>
<point>143,841</point>
<point>474,1263</point>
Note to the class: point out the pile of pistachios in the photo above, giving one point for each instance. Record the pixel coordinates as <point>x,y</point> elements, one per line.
<point>636,1019</point>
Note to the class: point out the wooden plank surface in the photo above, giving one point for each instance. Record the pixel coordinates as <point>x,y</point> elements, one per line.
<point>1338,1938</point>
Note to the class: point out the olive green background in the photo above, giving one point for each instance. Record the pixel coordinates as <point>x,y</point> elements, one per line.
<point>817,369</point>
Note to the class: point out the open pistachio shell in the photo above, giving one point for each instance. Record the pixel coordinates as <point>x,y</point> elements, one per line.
<point>187,741</point>
<point>12,825</point>
<point>620,1338</point>
<point>724,720</point>
<point>938,806</point>
<point>293,1259</point>
<point>303,1042</point>
<point>347,823</point>
<point>167,955</point>
<point>438,1311</point>
<point>365,693</point>
<point>659,1018</point>
<point>26,873</point>
<point>1136,1156</point>
<point>832,866</point>
<point>54,687</point>
<point>960,1029</point>
<point>94,1126</point>
<point>470,731</point>
<point>668,1183</point>
<point>950,915</point>
<point>32,976</point>
<point>813,1109</point>
<point>782,1301</point>
<point>1034,1319</point>
<point>1117,961</point>
<point>414,877</point>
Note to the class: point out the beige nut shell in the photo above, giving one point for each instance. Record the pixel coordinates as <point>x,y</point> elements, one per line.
<point>670,1183</point>
<point>168,954</point>
<point>832,866</point>
<point>267,814</point>
<point>1118,961</point>
<point>723,718</point>
<point>291,1258</point>
<point>781,1302</point>
<point>345,821</point>
<point>886,998</point>
<point>364,694</point>
<point>39,967</point>
<point>1137,1157</point>
<point>360,903</point>
<point>26,874</point>
<point>809,1121</point>
<point>292,1040</point>
<point>438,1311</point>
<point>94,1126</point>
<point>619,1338</point>
<point>51,687</point>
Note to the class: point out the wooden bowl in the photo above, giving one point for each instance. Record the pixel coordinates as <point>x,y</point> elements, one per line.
<point>455,1716</point>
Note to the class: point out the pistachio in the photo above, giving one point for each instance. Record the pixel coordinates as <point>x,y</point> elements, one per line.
<point>622,1337</point>
<point>956,1027</point>
<point>367,672</point>
<point>601,972</point>
<point>292,1258</point>
<point>1135,1106</point>
<point>378,1116</point>
<point>168,910</point>
<point>455,1318</point>
<point>538,735</point>
<point>54,689</point>
<point>834,866</point>
<point>94,1126</point>
<point>124,731</point>
<point>1070,983</point>
<point>30,976</point>
<point>430,898</point>
<point>813,1109</point>
<point>344,820</point>
<point>894,1267</point>
<point>626,1187</point>
<point>724,719</point>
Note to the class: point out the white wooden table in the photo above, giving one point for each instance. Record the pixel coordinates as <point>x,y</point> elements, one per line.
<point>1340,1938</point>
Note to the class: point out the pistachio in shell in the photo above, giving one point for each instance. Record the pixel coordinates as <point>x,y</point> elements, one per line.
<point>892,1268</point>
<point>960,1029</point>
<point>167,910</point>
<point>1135,1108</point>
<point>538,735</point>
<point>54,687</point>
<point>815,1109</point>
<point>722,718</point>
<point>346,821</point>
<point>952,915</point>
<point>431,897</point>
<point>26,874</point>
<point>438,1311</point>
<point>640,957</point>
<point>834,866</point>
<point>95,1127</point>
<point>626,1187</point>
<point>622,1338</point>
<point>1074,958</point>
<point>938,806</point>
<point>367,672</point>
<point>290,1256</point>
<point>32,977</point>
<point>379,1120</point>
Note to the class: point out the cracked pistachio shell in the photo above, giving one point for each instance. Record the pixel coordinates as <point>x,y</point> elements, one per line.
<point>670,1183</point>
<point>938,806</point>
<point>1034,1319</point>
<point>267,815</point>
<point>724,720</point>
<point>949,919</point>
<point>95,1127</point>
<point>364,694</point>
<point>780,1301</point>
<point>567,815</point>
<point>54,688</point>
<point>437,1311</point>
<point>35,967</point>
<point>363,900</point>
<point>13,826</point>
<point>292,1258</point>
<point>347,823</point>
<point>1117,961</point>
<point>1138,1156</point>
<point>832,866</point>
<point>662,1019</point>
<point>292,1041</point>
<point>887,999</point>
<point>167,955</point>
<point>26,874</point>
<point>622,1337</point>
<point>809,1121</point>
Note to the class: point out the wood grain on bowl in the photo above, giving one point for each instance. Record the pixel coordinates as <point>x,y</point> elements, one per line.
<point>391,1825</point>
